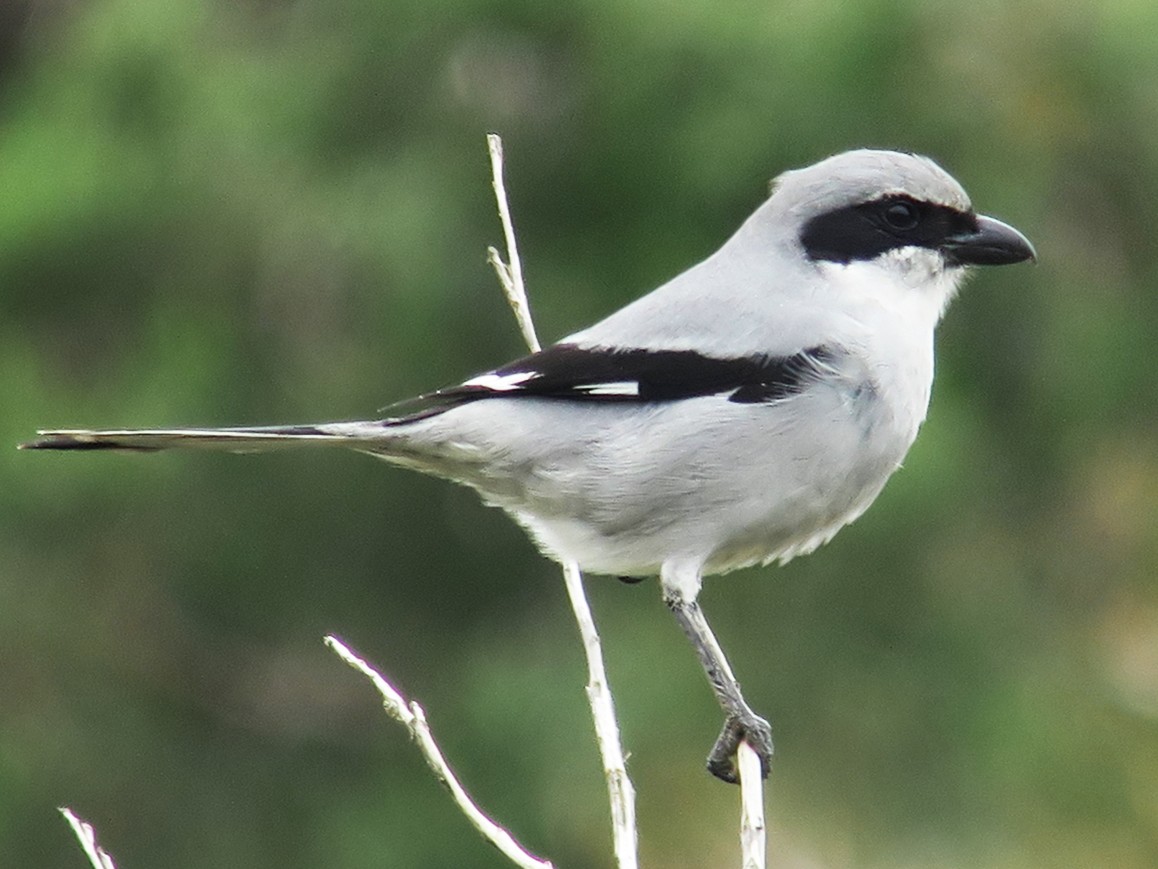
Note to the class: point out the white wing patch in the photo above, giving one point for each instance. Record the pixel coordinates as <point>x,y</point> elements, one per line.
<point>627,388</point>
<point>501,382</point>
<point>514,381</point>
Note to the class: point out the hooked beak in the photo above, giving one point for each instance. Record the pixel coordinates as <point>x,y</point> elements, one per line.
<point>992,243</point>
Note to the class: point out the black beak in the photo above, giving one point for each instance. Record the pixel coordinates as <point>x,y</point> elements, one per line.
<point>992,243</point>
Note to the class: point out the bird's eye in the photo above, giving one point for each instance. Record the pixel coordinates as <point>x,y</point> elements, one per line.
<point>901,215</point>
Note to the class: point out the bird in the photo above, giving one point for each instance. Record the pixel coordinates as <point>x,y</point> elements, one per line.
<point>740,414</point>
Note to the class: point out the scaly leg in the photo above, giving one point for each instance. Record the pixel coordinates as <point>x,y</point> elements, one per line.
<point>740,723</point>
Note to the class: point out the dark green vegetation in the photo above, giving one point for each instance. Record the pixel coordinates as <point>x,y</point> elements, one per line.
<point>256,212</point>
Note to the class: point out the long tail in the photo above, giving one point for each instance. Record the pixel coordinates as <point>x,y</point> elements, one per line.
<point>238,440</point>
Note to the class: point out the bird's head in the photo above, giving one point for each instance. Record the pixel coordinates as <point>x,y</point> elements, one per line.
<point>871,214</point>
<point>863,204</point>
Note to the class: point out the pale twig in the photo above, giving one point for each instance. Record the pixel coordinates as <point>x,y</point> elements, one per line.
<point>84,831</point>
<point>510,272</point>
<point>753,835</point>
<point>412,716</point>
<point>619,788</point>
<point>620,791</point>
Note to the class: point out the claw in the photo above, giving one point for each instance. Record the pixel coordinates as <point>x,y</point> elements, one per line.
<point>745,727</point>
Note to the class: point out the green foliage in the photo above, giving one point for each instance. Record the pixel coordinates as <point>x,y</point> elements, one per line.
<point>219,212</point>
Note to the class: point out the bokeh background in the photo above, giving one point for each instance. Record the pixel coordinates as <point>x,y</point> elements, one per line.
<point>262,211</point>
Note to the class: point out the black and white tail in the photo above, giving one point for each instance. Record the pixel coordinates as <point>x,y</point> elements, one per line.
<point>237,440</point>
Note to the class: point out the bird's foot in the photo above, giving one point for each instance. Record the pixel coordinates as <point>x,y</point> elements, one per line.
<point>745,726</point>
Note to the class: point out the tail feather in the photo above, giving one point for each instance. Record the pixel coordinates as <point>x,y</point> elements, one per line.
<point>238,440</point>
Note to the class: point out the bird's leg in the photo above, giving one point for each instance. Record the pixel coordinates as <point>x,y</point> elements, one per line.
<point>741,724</point>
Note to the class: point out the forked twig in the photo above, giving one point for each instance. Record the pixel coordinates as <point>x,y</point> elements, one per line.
<point>621,792</point>
<point>510,272</point>
<point>753,834</point>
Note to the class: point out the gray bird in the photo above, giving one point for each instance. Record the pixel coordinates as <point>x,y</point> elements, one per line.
<point>740,414</point>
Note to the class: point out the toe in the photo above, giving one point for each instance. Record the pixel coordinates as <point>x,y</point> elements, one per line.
<point>751,729</point>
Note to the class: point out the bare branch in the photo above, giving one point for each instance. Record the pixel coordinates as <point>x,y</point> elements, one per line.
<point>84,831</point>
<point>413,717</point>
<point>753,835</point>
<point>511,272</point>
<point>621,792</point>
<point>619,788</point>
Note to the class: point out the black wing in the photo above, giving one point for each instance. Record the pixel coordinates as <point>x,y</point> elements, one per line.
<point>569,372</point>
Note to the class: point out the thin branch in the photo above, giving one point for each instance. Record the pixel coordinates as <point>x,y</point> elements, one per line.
<point>753,835</point>
<point>621,792</point>
<point>412,716</point>
<point>511,272</point>
<point>84,831</point>
<point>619,788</point>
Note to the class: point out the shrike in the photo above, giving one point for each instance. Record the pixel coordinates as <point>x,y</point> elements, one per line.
<point>740,414</point>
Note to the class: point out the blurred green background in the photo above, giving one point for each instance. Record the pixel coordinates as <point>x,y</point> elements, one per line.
<point>262,211</point>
